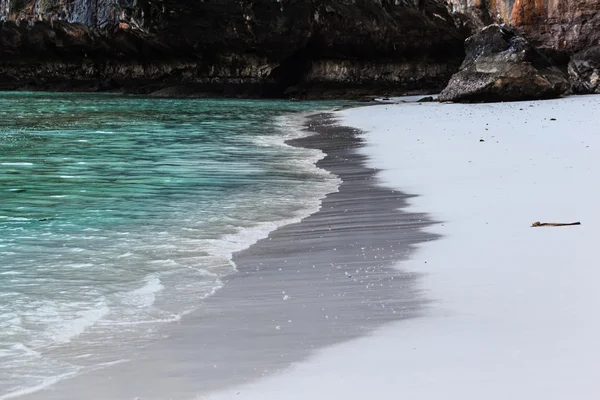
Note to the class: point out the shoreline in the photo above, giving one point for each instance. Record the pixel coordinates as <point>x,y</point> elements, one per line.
<point>303,288</point>
<point>365,94</point>
<point>514,312</point>
<point>159,273</point>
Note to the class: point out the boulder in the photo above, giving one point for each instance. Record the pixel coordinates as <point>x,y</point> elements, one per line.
<point>501,65</point>
<point>584,71</point>
<point>561,27</point>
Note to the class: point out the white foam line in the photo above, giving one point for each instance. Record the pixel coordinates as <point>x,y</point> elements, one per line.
<point>291,127</point>
<point>32,389</point>
<point>145,296</point>
<point>55,379</point>
<point>16,163</point>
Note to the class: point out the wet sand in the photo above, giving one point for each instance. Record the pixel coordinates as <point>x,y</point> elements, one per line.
<point>327,279</point>
<point>515,311</point>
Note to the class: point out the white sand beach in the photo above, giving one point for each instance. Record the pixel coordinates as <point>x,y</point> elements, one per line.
<point>514,310</point>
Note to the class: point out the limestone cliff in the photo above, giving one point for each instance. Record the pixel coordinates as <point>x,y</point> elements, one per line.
<point>560,27</point>
<point>310,48</point>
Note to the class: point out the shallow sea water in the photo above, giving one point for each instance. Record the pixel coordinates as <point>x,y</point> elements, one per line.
<point>120,214</point>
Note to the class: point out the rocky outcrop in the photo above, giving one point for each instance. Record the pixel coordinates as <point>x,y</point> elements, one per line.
<point>501,65</point>
<point>584,71</point>
<point>558,27</point>
<point>299,48</point>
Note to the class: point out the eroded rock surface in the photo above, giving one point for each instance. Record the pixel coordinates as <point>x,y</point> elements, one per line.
<point>584,71</point>
<point>558,26</point>
<point>501,65</point>
<point>298,48</point>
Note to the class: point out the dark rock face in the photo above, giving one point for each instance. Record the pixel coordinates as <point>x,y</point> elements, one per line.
<point>298,48</point>
<point>560,27</point>
<point>584,71</point>
<point>501,65</point>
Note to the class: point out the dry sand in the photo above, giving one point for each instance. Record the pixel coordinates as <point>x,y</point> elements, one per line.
<point>515,310</point>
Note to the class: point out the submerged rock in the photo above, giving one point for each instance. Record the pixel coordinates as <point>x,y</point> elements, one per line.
<point>584,71</point>
<point>501,65</point>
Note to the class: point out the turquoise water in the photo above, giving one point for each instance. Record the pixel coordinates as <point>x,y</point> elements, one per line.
<point>120,214</point>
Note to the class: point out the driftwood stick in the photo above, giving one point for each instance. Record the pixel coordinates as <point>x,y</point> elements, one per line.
<point>538,223</point>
